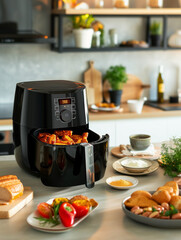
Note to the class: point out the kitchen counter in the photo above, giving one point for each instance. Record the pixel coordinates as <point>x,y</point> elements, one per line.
<point>147,112</point>
<point>107,222</point>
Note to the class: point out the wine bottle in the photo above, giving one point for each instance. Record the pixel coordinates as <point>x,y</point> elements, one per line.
<point>160,86</point>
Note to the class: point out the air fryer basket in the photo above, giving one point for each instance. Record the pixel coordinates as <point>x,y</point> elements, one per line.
<point>70,165</point>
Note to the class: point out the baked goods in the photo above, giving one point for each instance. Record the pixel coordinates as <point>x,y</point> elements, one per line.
<point>141,193</point>
<point>164,203</point>
<point>176,202</point>
<point>140,201</point>
<point>175,187</point>
<point>105,105</point>
<point>10,188</point>
<point>161,196</point>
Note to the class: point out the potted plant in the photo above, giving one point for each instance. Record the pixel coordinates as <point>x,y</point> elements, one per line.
<point>155,33</point>
<point>83,30</point>
<point>117,77</point>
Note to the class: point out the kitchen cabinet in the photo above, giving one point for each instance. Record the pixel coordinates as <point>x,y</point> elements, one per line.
<point>57,16</point>
<point>161,125</point>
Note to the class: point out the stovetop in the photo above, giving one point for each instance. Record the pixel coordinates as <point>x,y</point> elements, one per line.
<point>166,106</point>
<point>6,110</point>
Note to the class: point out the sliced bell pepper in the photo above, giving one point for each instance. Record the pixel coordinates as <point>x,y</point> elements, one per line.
<point>67,214</point>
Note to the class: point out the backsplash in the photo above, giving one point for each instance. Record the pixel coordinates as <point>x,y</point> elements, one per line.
<point>27,62</point>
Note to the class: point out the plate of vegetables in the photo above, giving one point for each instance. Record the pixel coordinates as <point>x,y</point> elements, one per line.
<point>61,214</point>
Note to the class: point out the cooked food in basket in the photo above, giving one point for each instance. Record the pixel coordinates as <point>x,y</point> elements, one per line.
<point>63,137</point>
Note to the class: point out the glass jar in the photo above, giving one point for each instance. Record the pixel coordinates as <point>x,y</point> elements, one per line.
<point>99,3</point>
<point>155,3</point>
<point>113,36</point>
<point>120,3</point>
<point>96,41</point>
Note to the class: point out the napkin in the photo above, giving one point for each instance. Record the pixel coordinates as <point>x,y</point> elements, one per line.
<point>150,151</point>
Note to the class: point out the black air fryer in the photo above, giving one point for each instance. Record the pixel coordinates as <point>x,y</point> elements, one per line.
<point>46,106</point>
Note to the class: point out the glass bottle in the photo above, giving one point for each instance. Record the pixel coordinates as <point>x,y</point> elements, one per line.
<point>160,86</point>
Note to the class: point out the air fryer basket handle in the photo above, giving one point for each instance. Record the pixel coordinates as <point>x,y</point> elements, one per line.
<point>89,164</point>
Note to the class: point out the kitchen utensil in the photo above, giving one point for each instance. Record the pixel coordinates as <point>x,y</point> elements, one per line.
<point>134,181</point>
<point>133,89</point>
<point>93,82</point>
<point>117,166</point>
<point>155,222</point>
<point>7,211</point>
<point>140,141</point>
<point>46,106</point>
<point>136,165</point>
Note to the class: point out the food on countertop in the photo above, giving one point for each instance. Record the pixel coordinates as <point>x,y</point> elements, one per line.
<point>133,43</point>
<point>142,193</point>
<point>63,137</point>
<point>105,105</point>
<point>141,201</point>
<point>10,188</point>
<point>67,214</point>
<point>167,202</point>
<point>135,163</point>
<point>121,183</point>
<point>65,209</point>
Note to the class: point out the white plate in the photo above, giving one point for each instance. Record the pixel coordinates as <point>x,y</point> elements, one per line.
<point>117,166</point>
<point>36,224</point>
<point>94,107</point>
<point>116,178</point>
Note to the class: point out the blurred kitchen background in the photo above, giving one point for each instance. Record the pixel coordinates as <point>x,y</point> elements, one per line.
<point>24,62</point>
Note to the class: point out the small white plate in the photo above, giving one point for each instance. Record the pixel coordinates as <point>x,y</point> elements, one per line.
<point>36,224</point>
<point>116,178</point>
<point>94,107</point>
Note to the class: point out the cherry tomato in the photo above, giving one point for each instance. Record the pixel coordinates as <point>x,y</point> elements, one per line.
<point>45,210</point>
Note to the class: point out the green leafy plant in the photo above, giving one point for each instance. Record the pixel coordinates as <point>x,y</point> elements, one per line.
<point>116,76</point>
<point>156,28</point>
<point>82,21</point>
<point>171,157</point>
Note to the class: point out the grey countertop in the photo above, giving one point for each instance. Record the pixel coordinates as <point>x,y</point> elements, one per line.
<point>107,222</point>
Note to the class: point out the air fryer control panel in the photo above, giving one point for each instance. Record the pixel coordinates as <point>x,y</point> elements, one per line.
<point>65,109</point>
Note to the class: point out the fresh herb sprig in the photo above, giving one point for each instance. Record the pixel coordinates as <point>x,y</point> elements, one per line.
<point>171,157</point>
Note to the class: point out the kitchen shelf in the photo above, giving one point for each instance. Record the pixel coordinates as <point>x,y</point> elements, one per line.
<point>112,11</point>
<point>163,13</point>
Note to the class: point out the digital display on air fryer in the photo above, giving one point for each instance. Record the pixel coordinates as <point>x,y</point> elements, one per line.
<point>64,101</point>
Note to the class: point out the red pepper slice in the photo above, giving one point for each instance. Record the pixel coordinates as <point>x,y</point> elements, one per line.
<point>80,210</point>
<point>67,214</point>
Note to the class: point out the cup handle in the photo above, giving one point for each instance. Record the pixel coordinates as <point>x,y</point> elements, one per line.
<point>89,164</point>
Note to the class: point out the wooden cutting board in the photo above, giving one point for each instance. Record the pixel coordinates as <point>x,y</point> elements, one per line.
<point>93,82</point>
<point>7,211</point>
<point>133,89</point>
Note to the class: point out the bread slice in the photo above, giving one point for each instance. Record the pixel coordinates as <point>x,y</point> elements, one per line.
<point>175,187</point>
<point>140,201</point>
<point>10,188</point>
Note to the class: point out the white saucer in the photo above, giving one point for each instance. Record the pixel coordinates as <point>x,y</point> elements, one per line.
<point>116,178</point>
